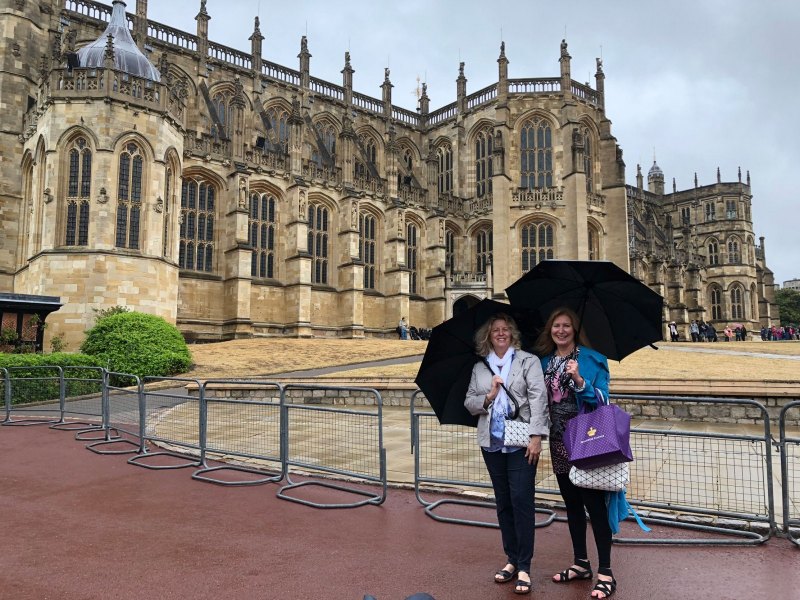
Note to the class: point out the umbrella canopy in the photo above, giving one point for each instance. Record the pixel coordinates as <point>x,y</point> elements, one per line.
<point>619,314</point>
<point>447,365</point>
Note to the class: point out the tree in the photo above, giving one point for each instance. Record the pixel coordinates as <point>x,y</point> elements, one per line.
<point>789,305</point>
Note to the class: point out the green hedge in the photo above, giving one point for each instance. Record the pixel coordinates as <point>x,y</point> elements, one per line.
<point>35,378</point>
<point>138,344</point>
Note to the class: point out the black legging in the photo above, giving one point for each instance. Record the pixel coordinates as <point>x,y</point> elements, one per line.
<point>576,499</point>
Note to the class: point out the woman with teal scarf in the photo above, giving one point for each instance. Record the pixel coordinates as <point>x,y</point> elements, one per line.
<point>573,375</point>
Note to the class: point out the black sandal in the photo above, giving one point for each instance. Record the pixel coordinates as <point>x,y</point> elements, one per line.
<point>504,576</point>
<point>522,586</point>
<point>584,571</point>
<point>607,588</point>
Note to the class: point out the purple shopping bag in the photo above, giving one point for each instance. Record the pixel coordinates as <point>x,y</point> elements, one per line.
<point>599,438</point>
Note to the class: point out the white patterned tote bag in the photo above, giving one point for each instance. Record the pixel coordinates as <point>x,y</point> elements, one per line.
<point>612,478</point>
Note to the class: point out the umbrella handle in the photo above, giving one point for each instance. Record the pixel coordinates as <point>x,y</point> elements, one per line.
<point>505,389</point>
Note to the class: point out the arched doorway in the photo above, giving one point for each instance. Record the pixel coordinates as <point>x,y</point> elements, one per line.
<point>463,304</point>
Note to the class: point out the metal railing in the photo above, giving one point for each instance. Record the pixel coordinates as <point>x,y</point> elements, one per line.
<point>716,482</point>
<point>82,400</point>
<point>122,416</point>
<point>447,459</point>
<point>333,440</point>
<point>33,395</point>
<point>243,434</point>
<point>170,419</point>
<point>790,475</point>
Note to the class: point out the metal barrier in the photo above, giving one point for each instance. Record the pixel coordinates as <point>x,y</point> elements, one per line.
<point>448,457</point>
<point>40,391</point>
<point>340,441</point>
<point>82,400</point>
<point>122,415</point>
<point>722,481</point>
<point>245,430</point>
<point>6,401</point>
<point>790,476</point>
<point>170,418</point>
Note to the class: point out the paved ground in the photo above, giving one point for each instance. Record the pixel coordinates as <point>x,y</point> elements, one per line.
<point>77,525</point>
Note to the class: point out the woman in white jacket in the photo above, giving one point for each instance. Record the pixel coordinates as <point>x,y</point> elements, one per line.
<point>511,469</point>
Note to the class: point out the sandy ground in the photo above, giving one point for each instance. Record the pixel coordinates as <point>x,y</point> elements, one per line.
<point>744,361</point>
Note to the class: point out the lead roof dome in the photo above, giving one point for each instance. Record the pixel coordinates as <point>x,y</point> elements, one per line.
<point>127,56</point>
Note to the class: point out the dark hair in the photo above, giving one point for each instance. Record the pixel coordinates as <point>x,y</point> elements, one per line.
<point>545,344</point>
<point>483,342</point>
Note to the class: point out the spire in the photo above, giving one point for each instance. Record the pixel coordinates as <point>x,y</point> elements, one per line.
<point>502,72</point>
<point>256,47</point>
<point>108,55</point>
<point>347,79</point>
<point>424,100</point>
<point>740,174</point>
<point>600,83</point>
<point>695,179</point>
<point>639,177</point>
<point>140,24</point>
<point>305,62</point>
<point>566,76</point>
<point>719,177</point>
<point>386,88</point>
<point>674,186</point>
<point>748,176</point>
<point>461,89</point>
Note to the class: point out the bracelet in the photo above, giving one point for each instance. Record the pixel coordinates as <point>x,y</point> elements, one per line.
<point>583,387</point>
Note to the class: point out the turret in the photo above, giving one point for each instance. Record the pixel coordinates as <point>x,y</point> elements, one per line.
<point>655,179</point>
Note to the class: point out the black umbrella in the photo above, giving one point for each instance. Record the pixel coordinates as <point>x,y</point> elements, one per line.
<point>619,314</point>
<point>447,365</point>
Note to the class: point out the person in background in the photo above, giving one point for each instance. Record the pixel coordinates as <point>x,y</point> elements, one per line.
<point>574,375</point>
<point>511,469</point>
<point>673,331</point>
<point>403,325</point>
<point>695,331</point>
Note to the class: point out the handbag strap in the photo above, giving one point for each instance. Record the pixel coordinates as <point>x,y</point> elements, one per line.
<point>505,389</point>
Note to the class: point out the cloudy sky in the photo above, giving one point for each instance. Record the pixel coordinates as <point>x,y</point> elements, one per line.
<point>701,84</point>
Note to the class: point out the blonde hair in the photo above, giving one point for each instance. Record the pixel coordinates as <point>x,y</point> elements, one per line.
<point>545,344</point>
<point>483,342</point>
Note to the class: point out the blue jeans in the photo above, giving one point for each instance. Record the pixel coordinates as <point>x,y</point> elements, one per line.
<point>403,333</point>
<point>513,480</point>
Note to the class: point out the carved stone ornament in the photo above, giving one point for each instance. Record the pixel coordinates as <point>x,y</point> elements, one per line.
<point>242,192</point>
<point>354,214</point>
<point>159,206</point>
<point>15,49</point>
<point>48,195</point>
<point>103,197</point>
<point>302,205</point>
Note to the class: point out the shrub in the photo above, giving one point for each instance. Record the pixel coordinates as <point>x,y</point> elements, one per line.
<point>102,313</point>
<point>57,343</point>
<point>138,344</point>
<point>35,378</point>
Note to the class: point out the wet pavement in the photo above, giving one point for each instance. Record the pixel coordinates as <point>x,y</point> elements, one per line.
<point>77,525</point>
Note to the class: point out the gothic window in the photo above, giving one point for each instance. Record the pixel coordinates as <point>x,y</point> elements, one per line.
<point>450,250</point>
<point>711,209</point>
<point>367,233</point>
<point>327,136</point>
<point>737,302</point>
<point>588,160</point>
<point>168,191</point>
<point>483,250</point>
<point>78,192</point>
<point>411,257</point>
<point>483,163</point>
<point>444,168</point>
<point>197,225</point>
<point>318,227</point>
<point>715,294</point>
<point>279,128</point>
<point>262,235</point>
<point>730,209</point>
<point>536,154</point>
<point>408,159</point>
<point>361,169</point>
<point>594,242</point>
<point>685,215</point>
<point>129,197</point>
<point>225,113</point>
<point>537,244</point>
<point>713,252</point>
<point>734,252</point>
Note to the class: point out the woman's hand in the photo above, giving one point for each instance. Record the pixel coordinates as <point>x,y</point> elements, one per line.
<point>497,383</point>
<point>572,369</point>
<point>534,449</point>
